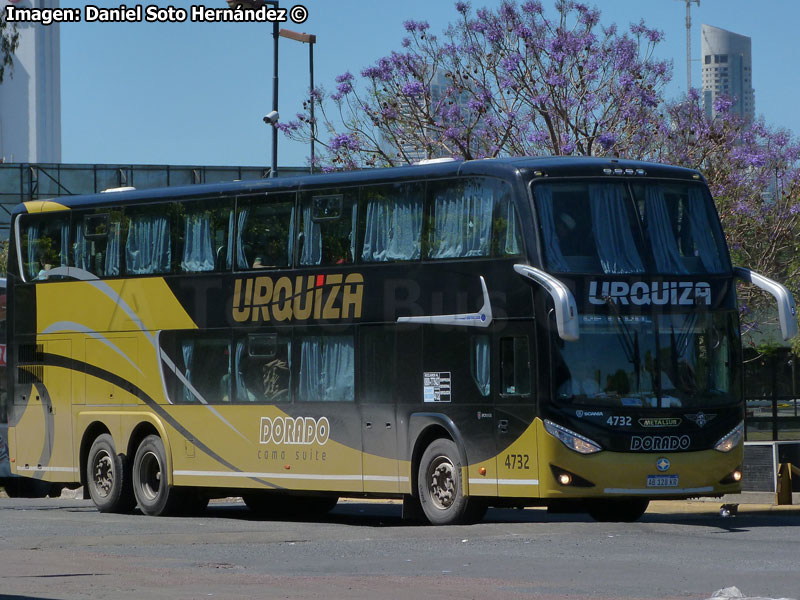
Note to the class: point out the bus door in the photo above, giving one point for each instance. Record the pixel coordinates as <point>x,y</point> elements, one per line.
<point>515,410</point>
<point>378,367</point>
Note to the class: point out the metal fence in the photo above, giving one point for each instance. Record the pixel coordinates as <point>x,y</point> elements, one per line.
<point>21,182</point>
<point>771,388</point>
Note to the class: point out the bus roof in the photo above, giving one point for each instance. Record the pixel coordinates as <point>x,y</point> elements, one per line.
<point>526,167</point>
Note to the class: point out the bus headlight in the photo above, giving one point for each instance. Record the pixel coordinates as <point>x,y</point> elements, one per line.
<point>573,441</point>
<point>730,441</point>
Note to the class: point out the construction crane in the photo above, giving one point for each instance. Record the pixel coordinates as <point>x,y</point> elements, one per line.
<point>689,42</point>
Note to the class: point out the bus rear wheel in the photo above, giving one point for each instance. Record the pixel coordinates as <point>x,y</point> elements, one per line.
<point>108,477</point>
<point>440,489</point>
<point>150,487</point>
<point>624,510</point>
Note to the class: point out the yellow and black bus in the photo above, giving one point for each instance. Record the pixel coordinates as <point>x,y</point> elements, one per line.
<point>533,331</point>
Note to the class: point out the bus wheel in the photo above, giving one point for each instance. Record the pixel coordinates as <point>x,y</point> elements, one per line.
<point>108,477</point>
<point>154,496</point>
<point>626,510</point>
<point>440,488</point>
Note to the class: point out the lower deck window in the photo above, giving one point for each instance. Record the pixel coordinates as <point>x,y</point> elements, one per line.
<point>327,369</point>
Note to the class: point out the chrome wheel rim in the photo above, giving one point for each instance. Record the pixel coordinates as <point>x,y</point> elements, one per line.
<point>150,475</point>
<point>103,474</point>
<point>441,482</point>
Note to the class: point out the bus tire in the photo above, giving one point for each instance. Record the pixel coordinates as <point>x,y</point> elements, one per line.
<point>154,496</point>
<point>440,489</point>
<point>621,510</point>
<point>108,477</point>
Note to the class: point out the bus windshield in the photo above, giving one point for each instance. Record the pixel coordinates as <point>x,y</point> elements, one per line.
<point>654,361</point>
<point>612,227</point>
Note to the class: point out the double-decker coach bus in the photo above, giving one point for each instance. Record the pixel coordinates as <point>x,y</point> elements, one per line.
<point>520,332</point>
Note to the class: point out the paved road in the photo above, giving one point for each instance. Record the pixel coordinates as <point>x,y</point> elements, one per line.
<point>62,548</point>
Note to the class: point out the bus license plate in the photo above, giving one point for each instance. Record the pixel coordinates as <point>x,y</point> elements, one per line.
<point>662,481</point>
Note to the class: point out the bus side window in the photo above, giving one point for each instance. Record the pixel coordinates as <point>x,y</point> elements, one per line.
<point>203,230</point>
<point>202,367</point>
<point>45,245</point>
<point>96,241</point>
<point>265,231</point>
<point>515,368</point>
<point>148,248</point>
<point>391,223</point>
<point>327,369</point>
<point>463,219</point>
<point>327,223</point>
<point>263,368</point>
<point>506,230</point>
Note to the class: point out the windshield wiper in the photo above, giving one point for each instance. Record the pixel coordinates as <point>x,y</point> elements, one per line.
<point>629,343</point>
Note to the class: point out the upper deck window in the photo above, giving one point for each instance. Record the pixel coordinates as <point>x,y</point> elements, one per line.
<point>600,227</point>
<point>327,220</point>
<point>265,231</point>
<point>203,231</point>
<point>45,245</point>
<point>472,217</point>
<point>392,222</point>
<point>148,241</point>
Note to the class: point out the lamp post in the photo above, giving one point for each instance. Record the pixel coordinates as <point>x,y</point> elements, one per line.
<point>309,39</point>
<point>272,118</point>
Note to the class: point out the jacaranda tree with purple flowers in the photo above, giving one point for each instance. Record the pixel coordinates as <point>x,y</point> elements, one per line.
<point>753,173</point>
<point>510,81</point>
<point>518,80</point>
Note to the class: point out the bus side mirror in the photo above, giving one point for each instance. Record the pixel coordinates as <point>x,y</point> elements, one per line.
<point>566,309</point>
<point>787,312</point>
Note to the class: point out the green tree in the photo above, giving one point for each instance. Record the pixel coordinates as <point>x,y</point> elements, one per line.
<point>9,41</point>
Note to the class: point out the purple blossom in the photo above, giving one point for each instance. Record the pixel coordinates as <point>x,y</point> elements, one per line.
<point>462,7</point>
<point>412,26</point>
<point>344,141</point>
<point>722,104</point>
<point>607,140</point>
<point>413,88</point>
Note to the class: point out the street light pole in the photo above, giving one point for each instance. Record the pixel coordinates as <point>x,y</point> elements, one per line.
<point>309,39</point>
<point>255,4</point>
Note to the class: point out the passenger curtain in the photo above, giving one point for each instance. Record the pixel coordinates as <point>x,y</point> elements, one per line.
<point>481,363</point>
<point>612,230</point>
<point>241,255</point>
<point>393,229</point>
<point>111,266</point>
<point>702,232</point>
<point>662,236</point>
<point>198,254</point>
<point>552,248</point>
<point>147,249</point>
<point>311,251</point>
<point>187,349</point>
<point>327,369</point>
<point>462,221</point>
<point>243,394</point>
<point>33,252</point>
<point>511,247</point>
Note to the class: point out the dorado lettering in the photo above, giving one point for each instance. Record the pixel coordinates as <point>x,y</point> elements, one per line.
<point>319,297</point>
<point>641,293</point>
<point>294,430</point>
<point>660,443</point>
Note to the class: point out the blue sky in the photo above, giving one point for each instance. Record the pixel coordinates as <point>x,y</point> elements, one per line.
<point>195,93</point>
